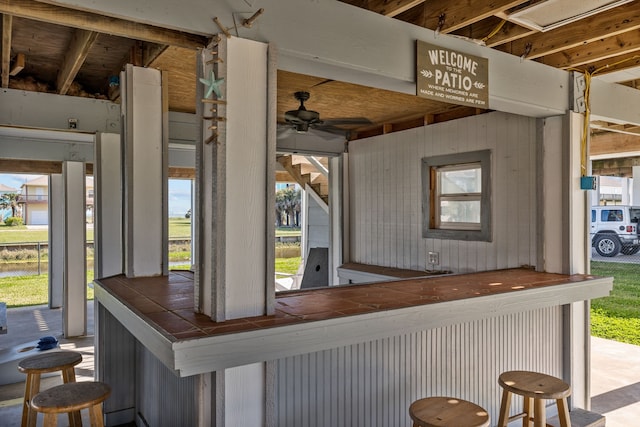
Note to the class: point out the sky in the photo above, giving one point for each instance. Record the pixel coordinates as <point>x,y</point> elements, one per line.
<point>179,191</point>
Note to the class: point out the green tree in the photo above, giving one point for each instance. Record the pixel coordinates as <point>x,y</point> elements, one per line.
<point>288,203</point>
<point>9,201</point>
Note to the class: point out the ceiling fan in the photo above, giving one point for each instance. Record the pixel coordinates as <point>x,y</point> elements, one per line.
<point>302,120</point>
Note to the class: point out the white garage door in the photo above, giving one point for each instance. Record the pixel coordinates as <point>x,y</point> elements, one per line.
<point>39,218</point>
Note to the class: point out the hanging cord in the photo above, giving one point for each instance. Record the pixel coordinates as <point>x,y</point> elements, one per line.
<point>495,30</point>
<point>588,74</point>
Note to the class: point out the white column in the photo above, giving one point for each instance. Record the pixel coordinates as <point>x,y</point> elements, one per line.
<point>635,191</point>
<point>56,241</point>
<point>107,172</point>
<point>74,236</point>
<point>626,192</point>
<point>235,165</point>
<point>576,220</point>
<point>144,110</point>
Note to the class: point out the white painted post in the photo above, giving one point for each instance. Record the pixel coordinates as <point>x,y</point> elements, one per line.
<point>577,222</point>
<point>108,205</point>
<point>144,108</point>
<point>75,268</point>
<point>56,241</point>
<point>625,194</point>
<point>235,212</point>
<point>635,187</point>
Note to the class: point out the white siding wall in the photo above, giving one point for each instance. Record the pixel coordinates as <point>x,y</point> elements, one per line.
<point>386,191</point>
<point>317,225</point>
<point>373,383</point>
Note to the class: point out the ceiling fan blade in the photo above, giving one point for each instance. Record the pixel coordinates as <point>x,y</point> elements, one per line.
<point>347,121</point>
<point>286,131</point>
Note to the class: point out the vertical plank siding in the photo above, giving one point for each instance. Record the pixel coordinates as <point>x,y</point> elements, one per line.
<point>163,398</point>
<point>373,383</point>
<point>385,187</point>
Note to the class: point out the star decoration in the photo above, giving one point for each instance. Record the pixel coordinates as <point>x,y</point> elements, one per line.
<point>213,85</point>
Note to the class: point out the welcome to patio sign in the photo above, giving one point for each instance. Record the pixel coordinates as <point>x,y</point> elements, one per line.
<point>449,76</point>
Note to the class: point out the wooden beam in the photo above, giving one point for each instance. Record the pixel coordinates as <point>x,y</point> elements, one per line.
<point>18,65</point>
<point>617,63</point>
<point>7,24</point>
<point>393,8</point>
<point>151,53</point>
<point>507,33</point>
<point>182,173</point>
<point>606,24</point>
<point>613,143</point>
<point>30,166</point>
<point>616,127</point>
<point>102,24</point>
<point>77,52</point>
<point>598,50</point>
<point>456,15</point>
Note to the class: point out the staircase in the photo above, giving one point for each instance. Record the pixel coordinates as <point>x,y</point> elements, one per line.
<point>307,173</point>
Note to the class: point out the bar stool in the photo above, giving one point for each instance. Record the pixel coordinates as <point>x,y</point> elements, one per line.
<point>441,411</point>
<point>34,367</point>
<point>535,387</point>
<point>71,398</point>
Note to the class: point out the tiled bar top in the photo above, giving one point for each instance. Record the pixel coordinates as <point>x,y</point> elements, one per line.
<point>165,305</point>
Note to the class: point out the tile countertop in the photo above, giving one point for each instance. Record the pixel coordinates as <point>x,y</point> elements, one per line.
<point>159,311</point>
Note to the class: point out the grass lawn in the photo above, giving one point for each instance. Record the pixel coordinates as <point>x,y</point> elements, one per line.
<point>178,227</point>
<point>21,291</point>
<point>287,265</point>
<point>617,316</point>
<point>285,231</point>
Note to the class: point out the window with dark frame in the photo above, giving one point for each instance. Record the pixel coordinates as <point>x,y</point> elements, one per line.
<point>456,196</point>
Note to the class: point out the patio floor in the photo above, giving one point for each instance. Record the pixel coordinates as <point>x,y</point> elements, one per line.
<point>615,382</point>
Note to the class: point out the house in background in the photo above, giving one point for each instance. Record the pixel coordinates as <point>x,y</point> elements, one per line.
<point>34,200</point>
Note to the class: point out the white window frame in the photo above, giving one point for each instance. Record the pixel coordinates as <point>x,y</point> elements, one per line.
<point>432,198</point>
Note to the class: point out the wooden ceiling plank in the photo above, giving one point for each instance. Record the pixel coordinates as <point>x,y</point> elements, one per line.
<point>392,8</point>
<point>458,15</point>
<point>611,142</point>
<point>77,52</point>
<point>30,166</point>
<point>103,24</point>
<point>6,48</point>
<point>616,21</point>
<point>596,51</point>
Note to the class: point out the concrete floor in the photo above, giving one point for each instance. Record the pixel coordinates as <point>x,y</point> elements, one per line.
<point>615,381</point>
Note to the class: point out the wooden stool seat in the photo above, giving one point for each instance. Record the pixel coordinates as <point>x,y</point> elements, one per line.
<point>535,387</point>
<point>441,411</point>
<point>72,397</point>
<point>35,366</point>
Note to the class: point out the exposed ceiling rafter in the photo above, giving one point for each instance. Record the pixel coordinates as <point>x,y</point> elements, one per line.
<point>77,52</point>
<point>103,24</point>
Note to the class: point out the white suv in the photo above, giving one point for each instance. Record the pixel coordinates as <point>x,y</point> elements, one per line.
<point>614,229</point>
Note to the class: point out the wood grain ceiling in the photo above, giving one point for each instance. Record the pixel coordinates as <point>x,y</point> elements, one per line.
<point>75,52</point>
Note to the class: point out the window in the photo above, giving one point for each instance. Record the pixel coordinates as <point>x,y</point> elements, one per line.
<point>456,196</point>
<point>614,215</point>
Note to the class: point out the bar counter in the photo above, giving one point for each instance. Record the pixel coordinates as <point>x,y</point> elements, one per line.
<point>158,312</point>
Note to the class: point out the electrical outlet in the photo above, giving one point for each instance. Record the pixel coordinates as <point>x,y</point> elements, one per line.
<point>434,258</point>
